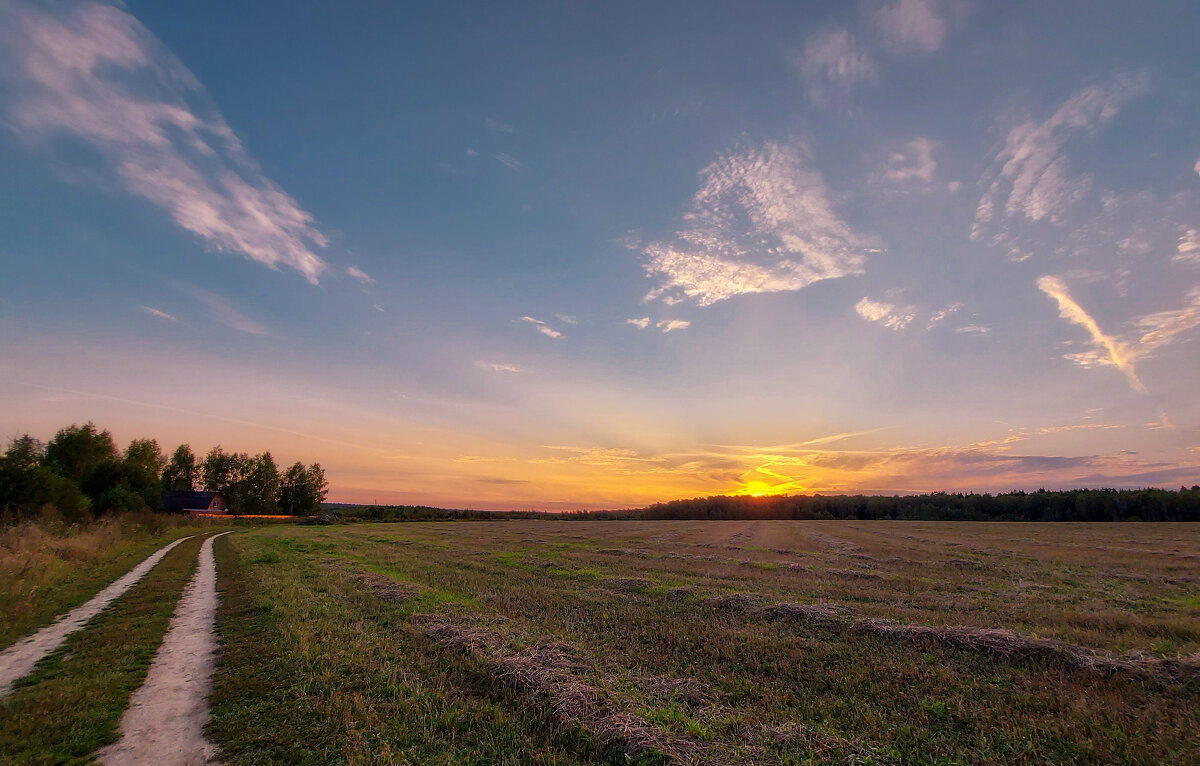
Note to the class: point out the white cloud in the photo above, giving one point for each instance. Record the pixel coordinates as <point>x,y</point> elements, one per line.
<point>1163,327</point>
<point>91,72</point>
<point>641,324</point>
<point>1188,249</point>
<point>886,314</point>
<point>1078,427</point>
<point>667,325</point>
<point>1108,350</point>
<point>831,62</point>
<point>360,275</point>
<point>471,152</point>
<point>497,126</point>
<point>1030,176</point>
<point>762,221</point>
<point>1163,422</point>
<point>497,366</point>
<point>910,26</point>
<point>911,164</point>
<point>378,308</point>
<point>1196,167</point>
<point>508,161</point>
<point>566,318</point>
<point>940,315</point>
<point>973,329</point>
<point>157,312</point>
<point>542,327</point>
<point>220,309</point>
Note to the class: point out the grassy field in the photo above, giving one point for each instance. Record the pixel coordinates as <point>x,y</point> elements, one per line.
<point>48,566</point>
<point>570,642</point>
<point>709,642</point>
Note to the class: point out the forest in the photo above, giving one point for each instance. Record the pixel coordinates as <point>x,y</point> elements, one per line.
<point>1042,505</point>
<point>82,473</point>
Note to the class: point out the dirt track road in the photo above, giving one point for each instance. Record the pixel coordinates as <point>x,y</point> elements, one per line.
<point>18,660</point>
<point>164,724</point>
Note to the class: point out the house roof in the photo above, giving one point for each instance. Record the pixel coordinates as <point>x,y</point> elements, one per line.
<point>180,500</point>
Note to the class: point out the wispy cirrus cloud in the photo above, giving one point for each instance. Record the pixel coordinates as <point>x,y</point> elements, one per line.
<point>832,62</point>
<point>221,310</point>
<point>670,325</point>
<point>1106,349</point>
<point>941,314</point>
<point>90,72</point>
<point>1164,327</point>
<point>362,276</point>
<point>641,323</point>
<point>1030,178</point>
<point>542,327</point>
<point>762,221</point>
<point>910,165</point>
<point>158,313</point>
<point>887,314</point>
<point>1188,249</point>
<point>498,126</point>
<point>508,161</point>
<point>497,366</point>
<point>910,26</point>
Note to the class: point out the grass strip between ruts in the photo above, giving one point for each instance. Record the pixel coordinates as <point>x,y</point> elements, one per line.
<point>29,603</point>
<point>71,704</point>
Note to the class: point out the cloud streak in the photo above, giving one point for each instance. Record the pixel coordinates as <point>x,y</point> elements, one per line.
<point>1108,350</point>
<point>1030,178</point>
<point>910,26</point>
<point>887,314</point>
<point>158,313</point>
<point>542,327</point>
<point>90,72</point>
<point>762,221</point>
<point>832,62</point>
<point>670,325</point>
<point>360,275</point>
<point>220,309</point>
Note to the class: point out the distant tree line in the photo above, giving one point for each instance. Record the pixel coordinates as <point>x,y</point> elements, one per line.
<point>1042,505</point>
<point>81,472</point>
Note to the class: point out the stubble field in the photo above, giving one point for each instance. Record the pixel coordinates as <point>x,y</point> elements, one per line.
<point>710,642</point>
<point>572,642</point>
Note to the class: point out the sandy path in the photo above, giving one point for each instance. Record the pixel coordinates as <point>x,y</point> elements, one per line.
<point>164,725</point>
<point>17,661</point>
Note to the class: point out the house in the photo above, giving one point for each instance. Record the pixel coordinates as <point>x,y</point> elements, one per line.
<point>182,502</point>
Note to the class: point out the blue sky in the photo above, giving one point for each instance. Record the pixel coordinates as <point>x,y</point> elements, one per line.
<point>577,255</point>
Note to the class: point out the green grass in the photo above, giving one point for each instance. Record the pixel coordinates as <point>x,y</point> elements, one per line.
<point>323,662</point>
<point>72,704</point>
<point>328,673</point>
<point>375,689</point>
<point>45,572</point>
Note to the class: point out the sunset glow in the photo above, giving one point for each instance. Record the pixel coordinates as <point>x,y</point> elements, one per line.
<point>559,257</point>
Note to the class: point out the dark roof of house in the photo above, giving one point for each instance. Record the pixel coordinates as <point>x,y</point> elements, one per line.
<point>180,500</point>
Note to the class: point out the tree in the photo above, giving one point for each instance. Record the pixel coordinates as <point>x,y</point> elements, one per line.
<point>259,491</point>
<point>180,473</point>
<point>302,490</point>
<point>142,471</point>
<point>221,472</point>
<point>76,452</point>
<point>27,485</point>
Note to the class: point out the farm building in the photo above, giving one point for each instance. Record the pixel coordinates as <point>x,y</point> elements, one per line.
<point>182,502</point>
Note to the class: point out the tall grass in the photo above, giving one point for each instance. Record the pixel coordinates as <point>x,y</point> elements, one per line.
<point>48,565</point>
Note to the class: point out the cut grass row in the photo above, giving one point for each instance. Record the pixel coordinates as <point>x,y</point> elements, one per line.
<point>71,705</point>
<point>910,705</point>
<point>329,673</point>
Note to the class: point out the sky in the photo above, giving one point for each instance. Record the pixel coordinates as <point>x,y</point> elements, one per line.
<point>573,255</point>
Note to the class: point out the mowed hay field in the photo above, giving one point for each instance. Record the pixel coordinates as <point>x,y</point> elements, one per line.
<point>764,642</point>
